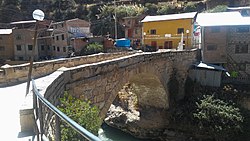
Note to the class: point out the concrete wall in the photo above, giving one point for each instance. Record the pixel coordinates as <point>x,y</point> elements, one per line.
<point>18,73</point>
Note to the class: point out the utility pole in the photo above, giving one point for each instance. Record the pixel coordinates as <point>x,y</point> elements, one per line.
<point>115,21</point>
<point>38,15</point>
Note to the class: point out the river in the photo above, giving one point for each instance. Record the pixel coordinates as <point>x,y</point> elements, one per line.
<point>107,133</point>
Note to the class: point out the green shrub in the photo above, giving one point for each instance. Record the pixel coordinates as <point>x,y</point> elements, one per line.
<point>218,118</point>
<point>92,49</point>
<point>82,113</point>
<point>218,8</point>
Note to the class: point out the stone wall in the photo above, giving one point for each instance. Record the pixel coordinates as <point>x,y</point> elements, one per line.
<point>18,73</point>
<point>100,82</point>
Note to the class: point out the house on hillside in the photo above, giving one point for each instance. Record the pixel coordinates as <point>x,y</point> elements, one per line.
<point>133,30</point>
<point>6,45</point>
<point>165,31</point>
<point>23,38</point>
<point>225,40</point>
<point>69,35</point>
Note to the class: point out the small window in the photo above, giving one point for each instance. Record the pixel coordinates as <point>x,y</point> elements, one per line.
<point>18,37</point>
<point>241,48</point>
<point>58,49</point>
<point>48,47</point>
<point>242,29</point>
<point>211,47</point>
<point>42,47</point>
<point>242,67</point>
<point>57,38</point>
<point>30,47</point>
<point>20,58</point>
<point>180,30</point>
<point>153,31</point>
<point>54,48</point>
<point>2,48</point>
<point>215,29</point>
<point>62,36</point>
<point>18,47</point>
<point>64,49</point>
<point>136,31</point>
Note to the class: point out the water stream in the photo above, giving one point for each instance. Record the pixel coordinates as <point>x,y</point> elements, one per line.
<point>107,133</point>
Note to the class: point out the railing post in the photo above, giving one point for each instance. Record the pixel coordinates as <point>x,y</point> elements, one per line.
<point>35,114</point>
<point>41,119</point>
<point>57,128</point>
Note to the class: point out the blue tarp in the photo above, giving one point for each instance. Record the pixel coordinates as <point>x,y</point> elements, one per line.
<point>122,42</point>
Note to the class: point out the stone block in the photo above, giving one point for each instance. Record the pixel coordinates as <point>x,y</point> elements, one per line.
<point>27,121</point>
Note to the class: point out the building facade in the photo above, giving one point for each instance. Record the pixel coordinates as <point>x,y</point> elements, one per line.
<point>133,30</point>
<point>166,31</point>
<point>225,41</point>
<point>6,45</point>
<point>67,35</point>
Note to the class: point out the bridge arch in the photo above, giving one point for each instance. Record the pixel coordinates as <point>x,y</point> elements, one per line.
<point>100,82</point>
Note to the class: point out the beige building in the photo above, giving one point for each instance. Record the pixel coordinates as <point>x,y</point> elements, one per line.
<point>23,39</point>
<point>69,34</point>
<point>225,40</point>
<point>23,34</point>
<point>6,45</point>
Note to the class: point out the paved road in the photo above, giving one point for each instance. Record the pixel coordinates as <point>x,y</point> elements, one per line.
<point>11,99</point>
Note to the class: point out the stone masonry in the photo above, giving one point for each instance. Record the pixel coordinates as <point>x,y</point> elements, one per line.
<point>101,81</point>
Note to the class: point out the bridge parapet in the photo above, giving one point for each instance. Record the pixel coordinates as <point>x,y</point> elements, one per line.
<point>18,73</point>
<point>100,82</point>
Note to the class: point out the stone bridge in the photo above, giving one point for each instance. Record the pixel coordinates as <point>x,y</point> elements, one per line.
<point>100,82</point>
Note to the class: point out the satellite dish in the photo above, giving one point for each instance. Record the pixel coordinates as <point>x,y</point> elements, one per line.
<point>38,15</point>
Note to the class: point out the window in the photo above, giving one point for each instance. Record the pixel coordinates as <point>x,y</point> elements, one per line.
<point>153,43</point>
<point>211,47</point>
<point>136,31</point>
<point>57,38</point>
<point>180,30</point>
<point>242,67</point>
<point>42,47</point>
<point>153,31</point>
<point>168,44</point>
<point>62,24</point>
<point>242,29</point>
<point>62,36</point>
<point>2,48</point>
<point>30,47</point>
<point>241,48</point>
<point>64,49</point>
<point>18,37</point>
<point>58,49</point>
<point>54,48</point>
<point>20,58</point>
<point>18,47</point>
<point>128,22</point>
<point>215,29</point>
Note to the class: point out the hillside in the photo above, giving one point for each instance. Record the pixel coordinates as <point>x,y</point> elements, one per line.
<point>100,12</point>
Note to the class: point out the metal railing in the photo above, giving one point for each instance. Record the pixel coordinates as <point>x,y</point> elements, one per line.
<point>39,100</point>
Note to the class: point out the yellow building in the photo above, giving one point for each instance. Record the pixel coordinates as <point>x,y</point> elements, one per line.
<point>165,31</point>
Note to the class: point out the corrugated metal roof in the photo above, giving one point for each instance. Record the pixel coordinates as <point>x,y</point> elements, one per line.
<point>5,31</point>
<point>23,22</point>
<point>209,66</point>
<point>169,17</point>
<point>222,19</point>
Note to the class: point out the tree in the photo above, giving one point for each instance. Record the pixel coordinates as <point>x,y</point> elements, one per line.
<point>218,118</point>
<point>81,112</point>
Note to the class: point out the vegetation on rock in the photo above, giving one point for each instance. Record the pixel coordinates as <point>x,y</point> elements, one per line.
<point>217,118</point>
<point>81,112</point>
